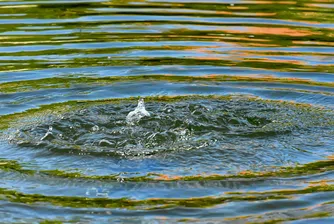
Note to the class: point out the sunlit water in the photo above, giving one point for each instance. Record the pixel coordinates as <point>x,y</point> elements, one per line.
<point>239,98</point>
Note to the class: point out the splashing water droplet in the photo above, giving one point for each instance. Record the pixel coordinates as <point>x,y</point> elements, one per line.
<point>138,113</point>
<point>47,134</point>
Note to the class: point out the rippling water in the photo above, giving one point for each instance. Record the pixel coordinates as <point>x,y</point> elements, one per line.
<point>241,97</point>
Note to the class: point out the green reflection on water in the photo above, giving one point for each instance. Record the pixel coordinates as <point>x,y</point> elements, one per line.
<point>68,82</point>
<point>83,202</point>
<point>300,170</point>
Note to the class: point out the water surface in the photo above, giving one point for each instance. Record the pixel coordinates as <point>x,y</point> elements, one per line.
<point>241,97</point>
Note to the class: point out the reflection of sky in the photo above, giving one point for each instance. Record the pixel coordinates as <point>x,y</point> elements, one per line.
<point>191,19</point>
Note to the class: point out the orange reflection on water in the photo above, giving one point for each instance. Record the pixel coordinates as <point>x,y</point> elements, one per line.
<point>317,183</point>
<point>280,31</point>
<point>210,58</point>
<point>268,60</point>
<point>224,13</point>
<point>313,43</point>
<point>265,13</point>
<point>237,7</point>
<point>166,177</point>
<point>250,39</point>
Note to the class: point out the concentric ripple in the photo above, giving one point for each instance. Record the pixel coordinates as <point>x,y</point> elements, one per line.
<point>241,101</point>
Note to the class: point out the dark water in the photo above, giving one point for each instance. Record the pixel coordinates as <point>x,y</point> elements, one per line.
<point>241,97</point>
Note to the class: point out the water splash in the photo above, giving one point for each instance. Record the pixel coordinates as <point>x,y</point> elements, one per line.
<point>140,112</point>
<point>48,134</point>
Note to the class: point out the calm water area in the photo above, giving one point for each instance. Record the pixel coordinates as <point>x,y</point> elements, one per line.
<point>241,101</point>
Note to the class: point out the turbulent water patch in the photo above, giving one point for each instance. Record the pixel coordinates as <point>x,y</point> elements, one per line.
<point>243,131</point>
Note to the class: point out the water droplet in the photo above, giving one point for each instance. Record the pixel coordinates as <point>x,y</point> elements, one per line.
<point>120,179</point>
<point>48,134</point>
<point>95,128</point>
<point>168,110</point>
